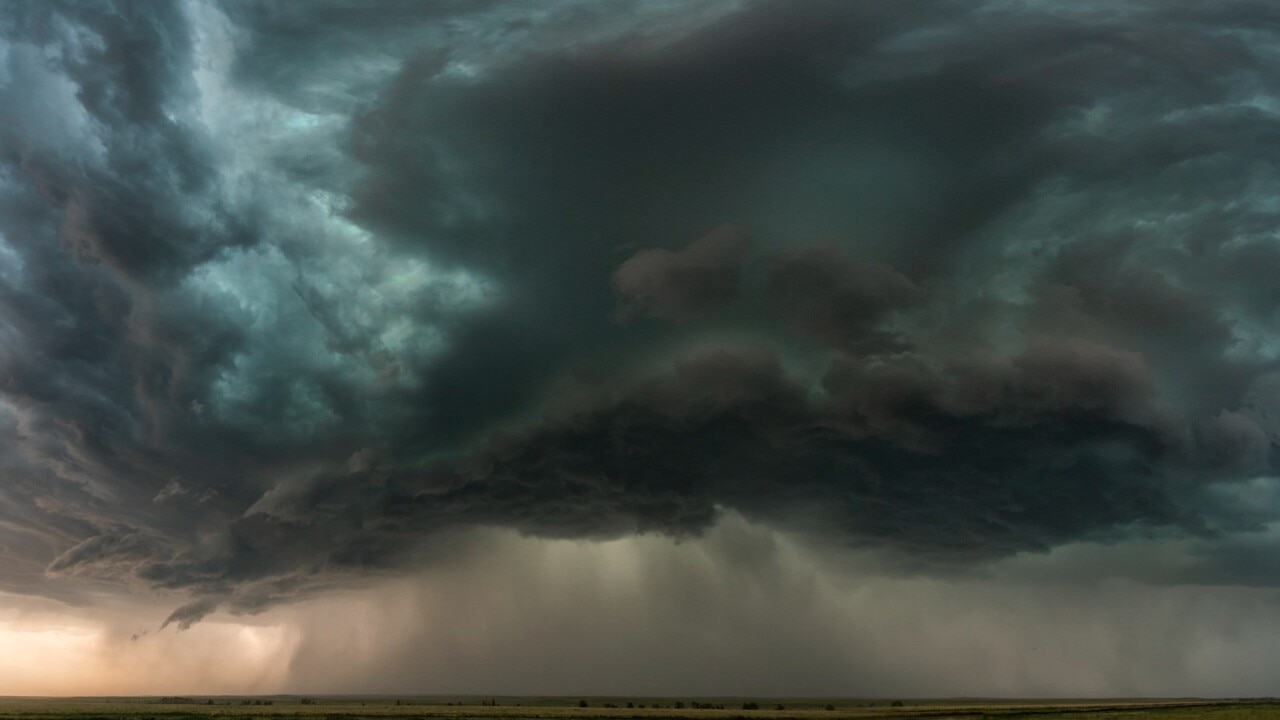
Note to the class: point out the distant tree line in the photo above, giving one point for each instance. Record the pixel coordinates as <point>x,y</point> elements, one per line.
<point>681,705</point>
<point>179,700</point>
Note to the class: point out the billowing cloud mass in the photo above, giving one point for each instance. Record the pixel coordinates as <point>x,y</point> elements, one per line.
<point>295,298</point>
<point>666,284</point>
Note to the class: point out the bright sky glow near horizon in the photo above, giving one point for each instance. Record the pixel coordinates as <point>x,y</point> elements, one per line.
<point>640,347</point>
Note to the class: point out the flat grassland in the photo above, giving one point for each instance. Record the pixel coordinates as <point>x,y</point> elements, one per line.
<point>508,708</point>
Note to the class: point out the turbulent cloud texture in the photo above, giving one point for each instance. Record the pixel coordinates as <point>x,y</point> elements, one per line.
<point>291,295</point>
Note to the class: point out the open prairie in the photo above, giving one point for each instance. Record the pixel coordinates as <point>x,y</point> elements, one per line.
<point>342,708</point>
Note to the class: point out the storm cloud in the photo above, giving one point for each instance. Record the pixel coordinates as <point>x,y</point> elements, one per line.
<point>291,297</point>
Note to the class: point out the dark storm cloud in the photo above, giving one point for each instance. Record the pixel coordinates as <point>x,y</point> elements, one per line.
<point>191,613</point>
<point>837,298</point>
<point>131,69</point>
<point>287,297</point>
<point>281,46</point>
<point>682,284</point>
<point>922,461</point>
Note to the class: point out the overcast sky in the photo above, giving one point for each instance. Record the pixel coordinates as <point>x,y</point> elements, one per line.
<point>891,347</point>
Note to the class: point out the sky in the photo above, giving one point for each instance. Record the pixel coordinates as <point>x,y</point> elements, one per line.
<point>640,347</point>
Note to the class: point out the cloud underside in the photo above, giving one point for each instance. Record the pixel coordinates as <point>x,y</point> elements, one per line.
<point>946,282</point>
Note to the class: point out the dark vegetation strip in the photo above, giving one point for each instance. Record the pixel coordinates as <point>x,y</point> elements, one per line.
<point>903,713</point>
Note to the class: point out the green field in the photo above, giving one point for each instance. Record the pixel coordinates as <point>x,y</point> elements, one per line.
<point>509,708</point>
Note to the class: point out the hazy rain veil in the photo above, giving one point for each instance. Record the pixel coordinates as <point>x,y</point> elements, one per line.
<point>912,309</point>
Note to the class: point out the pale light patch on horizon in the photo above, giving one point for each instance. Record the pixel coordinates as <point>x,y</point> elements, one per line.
<point>95,657</point>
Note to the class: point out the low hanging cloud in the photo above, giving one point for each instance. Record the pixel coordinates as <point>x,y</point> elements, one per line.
<point>685,283</point>
<point>837,298</point>
<point>279,318</point>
